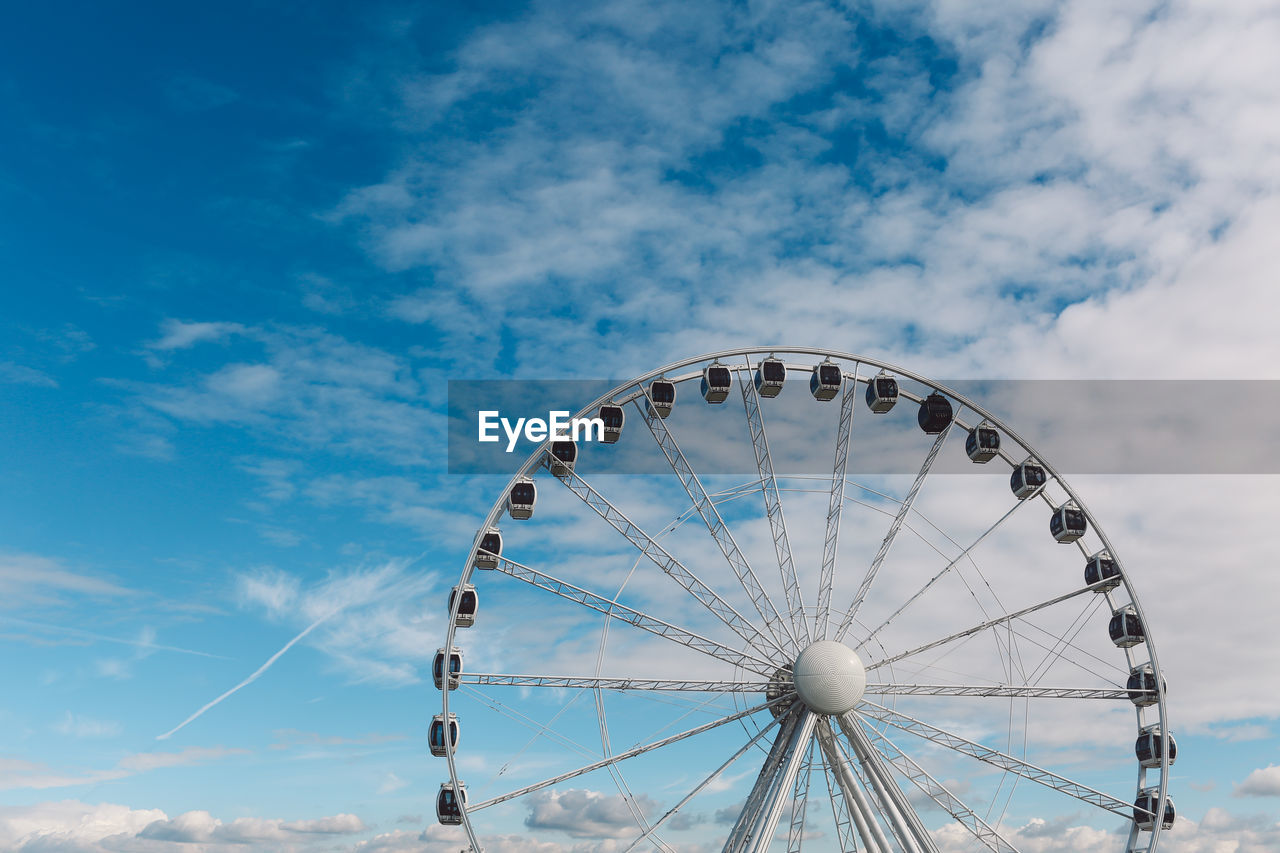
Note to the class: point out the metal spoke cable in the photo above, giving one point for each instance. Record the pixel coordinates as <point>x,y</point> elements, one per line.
<point>835,505</point>
<point>773,508</point>
<point>998,759</point>
<point>670,565</point>
<point>715,524</point>
<point>892,534</point>
<point>621,756</point>
<point>631,616</point>
<point>715,774</point>
<point>938,792</point>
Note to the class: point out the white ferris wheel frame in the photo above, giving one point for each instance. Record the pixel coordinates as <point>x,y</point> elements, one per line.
<point>807,739</point>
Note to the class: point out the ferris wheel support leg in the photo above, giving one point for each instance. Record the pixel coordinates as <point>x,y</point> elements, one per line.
<point>768,772</point>
<point>766,824</point>
<point>856,801</point>
<point>907,825</point>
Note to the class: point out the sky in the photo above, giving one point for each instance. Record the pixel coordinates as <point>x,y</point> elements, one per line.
<point>245,247</point>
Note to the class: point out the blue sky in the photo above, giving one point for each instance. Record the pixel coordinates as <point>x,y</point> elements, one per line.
<point>245,248</point>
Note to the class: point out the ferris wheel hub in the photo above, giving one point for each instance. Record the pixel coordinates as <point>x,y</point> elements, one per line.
<point>829,677</point>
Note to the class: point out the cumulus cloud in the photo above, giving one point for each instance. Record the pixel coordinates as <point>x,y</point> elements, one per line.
<point>1263,782</point>
<point>71,826</point>
<point>584,814</point>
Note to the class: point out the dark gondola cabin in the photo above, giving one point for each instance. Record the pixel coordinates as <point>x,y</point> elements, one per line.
<point>613,418</point>
<point>824,384</point>
<point>490,549</point>
<point>448,811</point>
<point>1067,524</point>
<point>1102,570</point>
<point>715,383</point>
<point>882,393</point>
<point>521,498</point>
<point>1026,478</point>
<point>1126,628</point>
<point>983,443</point>
<point>467,607</point>
<point>561,456</point>
<point>1151,745</point>
<point>1144,810</point>
<point>455,668</point>
<point>436,734</point>
<point>769,377</point>
<point>935,414</point>
<point>1142,686</point>
<point>662,397</point>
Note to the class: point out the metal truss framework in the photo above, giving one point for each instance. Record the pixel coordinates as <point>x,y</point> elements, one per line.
<point>862,768</point>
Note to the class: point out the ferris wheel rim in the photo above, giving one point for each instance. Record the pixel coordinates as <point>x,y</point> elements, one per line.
<point>634,390</point>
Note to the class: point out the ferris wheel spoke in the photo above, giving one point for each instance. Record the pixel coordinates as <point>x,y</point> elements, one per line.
<point>982,626</point>
<point>846,836</point>
<point>1001,691</point>
<point>631,616</point>
<point>773,505</point>
<point>938,792</point>
<point>618,757</point>
<point>835,507</point>
<point>702,785</point>
<point>758,821</point>
<point>800,802</point>
<point>904,821</point>
<point>997,758</point>
<point>597,683</point>
<point>857,806</point>
<point>669,565</point>
<point>887,542</point>
<point>951,565</point>
<point>706,508</point>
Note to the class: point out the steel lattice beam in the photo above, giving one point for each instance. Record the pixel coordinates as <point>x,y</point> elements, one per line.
<point>652,624</point>
<point>773,506</point>
<point>711,517</point>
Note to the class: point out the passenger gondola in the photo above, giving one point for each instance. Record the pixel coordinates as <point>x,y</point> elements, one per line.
<point>1151,745</point>
<point>1126,628</point>
<point>824,384</point>
<point>467,607</point>
<point>1102,570</point>
<point>882,393</point>
<point>490,549</point>
<point>521,498</point>
<point>448,811</point>
<point>436,734</point>
<point>769,377</point>
<point>1067,523</point>
<point>661,397</point>
<point>935,414</point>
<point>1027,477</point>
<point>983,443</point>
<point>455,668</point>
<point>613,418</point>
<point>1144,810</point>
<point>716,380</point>
<point>561,456</point>
<point>1142,686</point>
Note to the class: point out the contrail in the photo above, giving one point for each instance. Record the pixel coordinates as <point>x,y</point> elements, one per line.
<point>257,673</point>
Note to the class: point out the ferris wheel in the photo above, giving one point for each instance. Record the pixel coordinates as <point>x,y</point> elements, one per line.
<point>883,662</point>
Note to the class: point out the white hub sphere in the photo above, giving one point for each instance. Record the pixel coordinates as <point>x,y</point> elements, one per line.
<point>829,677</point>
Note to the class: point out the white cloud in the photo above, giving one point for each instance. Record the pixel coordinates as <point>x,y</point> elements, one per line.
<point>176,334</point>
<point>1263,782</point>
<point>76,725</point>
<point>18,374</point>
<point>582,813</point>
